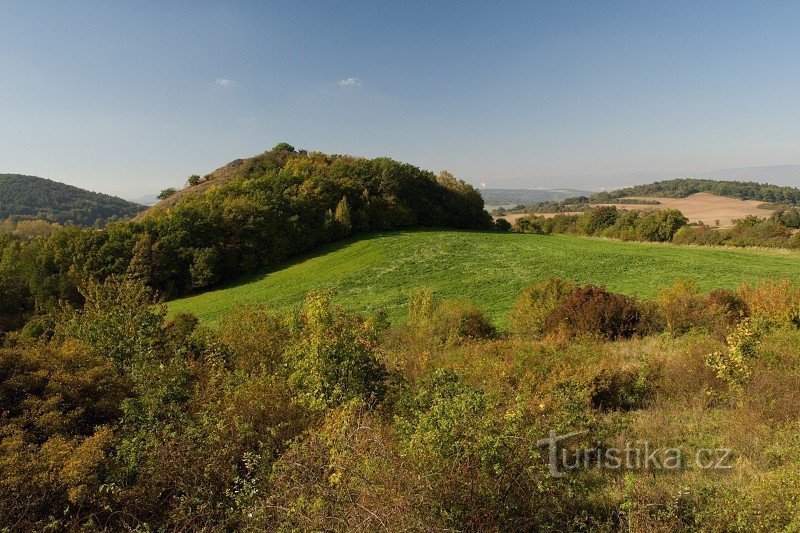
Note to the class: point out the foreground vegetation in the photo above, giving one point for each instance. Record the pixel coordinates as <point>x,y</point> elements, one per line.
<point>319,419</point>
<point>379,271</point>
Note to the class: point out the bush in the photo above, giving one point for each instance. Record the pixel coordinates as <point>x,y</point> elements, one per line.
<point>533,224</point>
<point>726,306</point>
<point>257,337</point>
<point>682,306</point>
<point>449,321</point>
<point>733,365</point>
<point>502,224</point>
<point>536,303</point>
<point>594,310</point>
<point>776,301</point>
<point>336,356</point>
<point>593,222</point>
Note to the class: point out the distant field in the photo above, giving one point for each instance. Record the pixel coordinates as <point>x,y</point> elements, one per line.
<point>699,207</point>
<point>707,208</point>
<point>380,270</point>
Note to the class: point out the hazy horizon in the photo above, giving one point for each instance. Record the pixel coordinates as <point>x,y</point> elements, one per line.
<point>127,100</point>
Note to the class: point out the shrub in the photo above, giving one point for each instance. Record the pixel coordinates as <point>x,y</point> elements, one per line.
<point>682,306</point>
<point>59,403</point>
<point>347,474</point>
<point>733,364</point>
<point>776,301</point>
<point>257,337</point>
<point>536,303</point>
<point>651,320</point>
<point>594,221</point>
<point>726,306</point>
<point>533,224</point>
<point>472,453</point>
<point>594,310</point>
<point>502,224</point>
<point>336,356</point>
<point>449,321</point>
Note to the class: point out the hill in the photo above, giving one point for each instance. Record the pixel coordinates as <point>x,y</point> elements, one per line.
<point>498,197</point>
<point>380,270</point>
<point>31,197</point>
<point>282,203</point>
<point>682,188</point>
<point>776,174</point>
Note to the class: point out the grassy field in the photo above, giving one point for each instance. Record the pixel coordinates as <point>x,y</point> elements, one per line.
<point>380,270</point>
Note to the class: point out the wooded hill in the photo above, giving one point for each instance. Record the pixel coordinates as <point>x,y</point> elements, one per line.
<point>681,188</point>
<point>31,197</point>
<point>276,205</point>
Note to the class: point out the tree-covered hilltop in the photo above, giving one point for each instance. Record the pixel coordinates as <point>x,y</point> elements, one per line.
<point>681,188</point>
<point>283,203</point>
<point>30,197</point>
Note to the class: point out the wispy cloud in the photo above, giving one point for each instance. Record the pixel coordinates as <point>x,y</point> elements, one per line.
<point>224,82</point>
<point>351,82</point>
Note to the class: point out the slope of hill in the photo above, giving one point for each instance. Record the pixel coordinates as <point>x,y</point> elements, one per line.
<point>682,188</point>
<point>497,197</point>
<point>380,270</point>
<point>245,168</point>
<point>31,197</point>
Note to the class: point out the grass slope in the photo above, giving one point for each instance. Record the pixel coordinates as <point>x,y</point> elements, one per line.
<point>379,271</point>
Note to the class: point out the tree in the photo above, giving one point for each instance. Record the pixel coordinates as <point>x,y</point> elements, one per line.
<point>283,147</point>
<point>166,193</point>
<point>342,215</point>
<point>502,224</point>
<point>194,179</point>
<point>204,269</point>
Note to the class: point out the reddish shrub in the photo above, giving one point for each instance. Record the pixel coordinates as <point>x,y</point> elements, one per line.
<point>593,309</point>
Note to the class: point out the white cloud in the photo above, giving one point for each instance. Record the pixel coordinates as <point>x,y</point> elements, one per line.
<point>224,82</point>
<point>350,82</point>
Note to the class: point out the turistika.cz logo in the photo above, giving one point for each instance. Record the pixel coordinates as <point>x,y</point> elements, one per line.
<point>639,455</point>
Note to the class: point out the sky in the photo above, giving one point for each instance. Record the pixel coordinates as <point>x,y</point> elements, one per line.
<point>131,97</point>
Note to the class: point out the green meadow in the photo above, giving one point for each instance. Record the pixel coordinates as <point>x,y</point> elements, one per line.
<point>378,271</point>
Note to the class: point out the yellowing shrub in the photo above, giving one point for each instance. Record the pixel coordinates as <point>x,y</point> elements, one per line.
<point>776,301</point>
<point>536,303</point>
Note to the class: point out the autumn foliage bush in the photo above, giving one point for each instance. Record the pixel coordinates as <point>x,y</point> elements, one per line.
<point>448,321</point>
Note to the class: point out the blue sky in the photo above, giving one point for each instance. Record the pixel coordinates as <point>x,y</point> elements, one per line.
<point>129,98</point>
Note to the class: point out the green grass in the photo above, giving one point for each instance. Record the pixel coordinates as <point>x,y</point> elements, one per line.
<point>380,270</point>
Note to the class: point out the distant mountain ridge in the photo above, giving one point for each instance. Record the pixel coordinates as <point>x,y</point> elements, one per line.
<point>683,187</point>
<point>786,175</point>
<point>497,197</point>
<point>32,197</point>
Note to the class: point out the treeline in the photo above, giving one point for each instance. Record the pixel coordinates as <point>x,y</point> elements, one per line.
<point>681,188</point>
<point>283,203</point>
<point>777,231</point>
<point>608,221</point>
<point>32,198</point>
